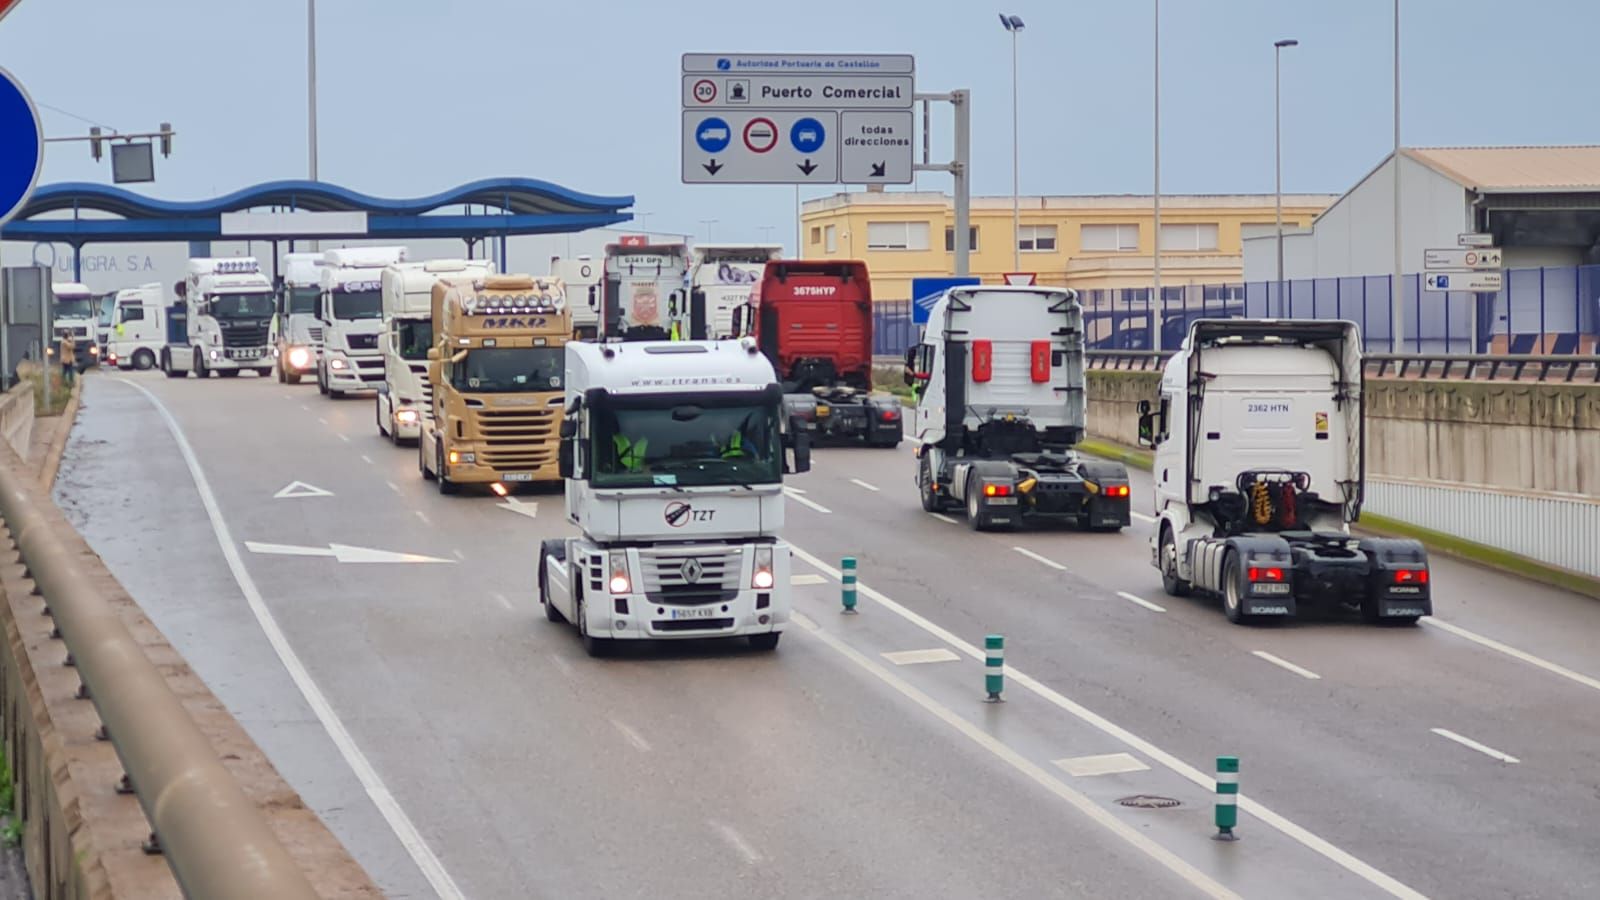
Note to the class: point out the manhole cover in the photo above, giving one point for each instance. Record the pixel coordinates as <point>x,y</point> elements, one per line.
<point>1145,801</point>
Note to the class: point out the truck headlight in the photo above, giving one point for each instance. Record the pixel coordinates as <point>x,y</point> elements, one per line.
<point>215,355</point>
<point>619,582</point>
<point>761,578</point>
<point>299,357</point>
<point>462,456</point>
<point>406,417</point>
<point>337,364</point>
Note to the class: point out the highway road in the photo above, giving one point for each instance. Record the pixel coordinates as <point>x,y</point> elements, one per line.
<point>385,647</point>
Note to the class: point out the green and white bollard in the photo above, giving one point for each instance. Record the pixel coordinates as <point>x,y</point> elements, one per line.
<point>1227,797</point>
<point>994,666</point>
<point>847,584</point>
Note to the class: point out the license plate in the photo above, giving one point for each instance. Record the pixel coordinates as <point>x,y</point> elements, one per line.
<point>1270,588</point>
<point>698,612</point>
<point>1002,501</point>
<point>517,476</point>
<point>822,411</point>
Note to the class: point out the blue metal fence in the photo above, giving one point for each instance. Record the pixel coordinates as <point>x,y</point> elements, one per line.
<point>1553,310</point>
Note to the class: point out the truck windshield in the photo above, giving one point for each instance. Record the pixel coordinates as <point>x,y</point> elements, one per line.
<point>416,336</point>
<point>687,445</point>
<point>242,306</point>
<point>108,305</point>
<point>357,305</point>
<point>303,300</point>
<point>75,308</point>
<point>502,370</point>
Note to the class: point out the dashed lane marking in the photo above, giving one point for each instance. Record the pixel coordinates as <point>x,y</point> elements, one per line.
<point>1131,598</point>
<point>1285,664</point>
<point>1104,764</point>
<point>1488,751</point>
<point>917,657</point>
<point>1041,559</point>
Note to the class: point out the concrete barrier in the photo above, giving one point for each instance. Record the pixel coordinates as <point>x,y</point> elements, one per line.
<point>16,418</point>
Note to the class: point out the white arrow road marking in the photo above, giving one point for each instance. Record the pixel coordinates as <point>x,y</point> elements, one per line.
<point>343,553</point>
<point>512,504</point>
<point>300,489</point>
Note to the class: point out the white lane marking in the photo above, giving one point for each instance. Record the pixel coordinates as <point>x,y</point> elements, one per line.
<point>792,490</point>
<point>342,552</point>
<point>1037,558</point>
<point>561,664</point>
<point>1171,861</point>
<point>1104,764</point>
<point>1343,858</point>
<point>459,555</point>
<point>804,502</point>
<point>944,518</point>
<point>631,736</point>
<point>801,580</point>
<point>916,657</point>
<point>1131,598</point>
<point>344,437</point>
<point>300,489</point>
<point>305,407</point>
<point>738,843</point>
<point>501,599</point>
<point>862,484</point>
<point>393,487</point>
<point>405,830</point>
<point>424,517</point>
<point>321,421</point>
<point>1148,520</point>
<point>1447,734</point>
<point>1514,653</point>
<point>1285,664</point>
<point>366,459</point>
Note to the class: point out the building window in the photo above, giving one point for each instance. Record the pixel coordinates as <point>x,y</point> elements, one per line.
<point>831,234</point>
<point>816,235</point>
<point>1189,237</point>
<point>897,235</point>
<point>1036,237</point>
<point>950,239</point>
<point>1109,238</point>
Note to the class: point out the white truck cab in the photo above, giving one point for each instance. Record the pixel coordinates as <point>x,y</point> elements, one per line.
<point>72,317</point>
<point>583,277</point>
<point>404,396</point>
<point>645,295</point>
<point>297,335</point>
<point>351,312</point>
<point>722,282</point>
<point>674,454</point>
<point>228,306</point>
<point>1259,472</point>
<point>138,330</point>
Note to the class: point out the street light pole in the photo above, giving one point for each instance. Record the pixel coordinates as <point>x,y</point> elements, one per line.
<point>1277,137</point>
<point>311,83</point>
<point>1155,297</point>
<point>708,223</point>
<point>1397,290</point>
<point>1014,25</point>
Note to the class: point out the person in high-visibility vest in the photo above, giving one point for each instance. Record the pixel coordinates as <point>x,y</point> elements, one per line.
<point>734,448</point>
<point>630,454</point>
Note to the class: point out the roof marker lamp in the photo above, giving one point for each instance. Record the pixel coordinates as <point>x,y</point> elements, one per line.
<point>619,582</point>
<point>762,578</point>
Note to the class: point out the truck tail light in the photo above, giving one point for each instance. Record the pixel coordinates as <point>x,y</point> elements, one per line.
<point>1411,576</point>
<point>997,490</point>
<point>1039,361</point>
<point>889,415</point>
<point>1117,490</point>
<point>982,361</point>
<point>1266,574</point>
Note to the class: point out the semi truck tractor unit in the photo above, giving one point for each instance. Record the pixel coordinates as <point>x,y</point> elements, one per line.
<point>815,324</point>
<point>1259,472</point>
<point>297,333</point>
<point>495,374</point>
<point>999,376</point>
<point>350,309</point>
<point>584,279</point>
<point>405,395</point>
<point>138,332</point>
<point>228,308</point>
<point>722,282</point>
<point>72,318</point>
<point>644,297</point>
<point>674,454</point>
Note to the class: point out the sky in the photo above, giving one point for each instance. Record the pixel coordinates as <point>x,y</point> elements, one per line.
<point>419,97</point>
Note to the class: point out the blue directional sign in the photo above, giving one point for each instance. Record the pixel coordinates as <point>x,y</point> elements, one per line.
<point>925,292</point>
<point>807,135</point>
<point>21,146</point>
<point>713,134</point>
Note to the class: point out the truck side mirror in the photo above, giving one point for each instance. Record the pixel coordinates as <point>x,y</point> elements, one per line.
<point>1147,425</point>
<point>433,354</point>
<point>564,454</point>
<point>435,369</point>
<point>802,452</point>
<point>911,365</point>
<point>594,300</point>
<point>1144,407</point>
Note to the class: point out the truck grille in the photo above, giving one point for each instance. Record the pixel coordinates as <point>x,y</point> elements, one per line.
<point>362,341</point>
<point>243,334</point>
<point>664,579</point>
<point>370,369</point>
<point>515,439</point>
<point>315,333</point>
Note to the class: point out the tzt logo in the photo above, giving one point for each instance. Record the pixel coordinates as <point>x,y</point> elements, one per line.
<point>679,514</point>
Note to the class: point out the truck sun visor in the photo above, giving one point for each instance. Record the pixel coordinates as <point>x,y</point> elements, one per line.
<point>982,361</point>
<point>1039,361</point>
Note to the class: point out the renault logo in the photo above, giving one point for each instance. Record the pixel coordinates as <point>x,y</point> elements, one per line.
<point>691,570</point>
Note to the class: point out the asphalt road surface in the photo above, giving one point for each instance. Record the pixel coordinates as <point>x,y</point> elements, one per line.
<point>385,647</point>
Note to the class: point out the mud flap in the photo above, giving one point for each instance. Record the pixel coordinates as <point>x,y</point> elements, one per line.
<point>1391,594</point>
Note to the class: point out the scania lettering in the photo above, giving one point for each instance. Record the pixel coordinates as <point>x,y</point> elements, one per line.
<point>1260,464</point>
<point>350,309</point>
<point>494,375</point>
<point>645,295</point>
<point>227,307</point>
<point>721,284</point>
<point>405,396</point>
<point>677,494</point>
<point>297,334</point>
<point>999,375</point>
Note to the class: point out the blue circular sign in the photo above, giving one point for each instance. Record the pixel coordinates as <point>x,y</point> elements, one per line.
<point>713,134</point>
<point>21,146</point>
<point>807,135</point>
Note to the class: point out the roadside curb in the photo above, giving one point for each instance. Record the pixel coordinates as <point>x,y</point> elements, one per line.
<point>51,464</point>
<point>1449,545</point>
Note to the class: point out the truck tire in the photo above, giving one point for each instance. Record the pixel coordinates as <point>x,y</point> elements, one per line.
<point>291,378</point>
<point>143,359</point>
<point>930,498</point>
<point>765,642</point>
<point>377,409</point>
<point>166,366</point>
<point>422,461</point>
<point>279,369</point>
<point>974,506</point>
<point>446,486</point>
<point>200,371</point>
<point>229,373</point>
<point>322,381</point>
<point>1170,582</point>
<point>550,612</point>
<point>263,372</point>
<point>594,646</point>
<point>1232,596</point>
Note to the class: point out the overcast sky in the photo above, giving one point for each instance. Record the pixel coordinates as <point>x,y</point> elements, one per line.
<point>417,97</point>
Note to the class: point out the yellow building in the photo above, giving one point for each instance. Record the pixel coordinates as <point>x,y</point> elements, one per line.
<point>1082,242</point>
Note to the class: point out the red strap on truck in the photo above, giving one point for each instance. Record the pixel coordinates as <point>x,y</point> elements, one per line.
<point>1039,362</point>
<point>982,361</point>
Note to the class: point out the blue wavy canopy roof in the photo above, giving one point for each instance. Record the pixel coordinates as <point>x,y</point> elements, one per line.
<point>513,206</point>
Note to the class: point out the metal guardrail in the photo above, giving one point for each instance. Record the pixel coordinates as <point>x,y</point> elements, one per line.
<point>214,839</point>
<point>1445,367</point>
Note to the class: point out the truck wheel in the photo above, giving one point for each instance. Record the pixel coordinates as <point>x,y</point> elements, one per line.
<point>281,374</point>
<point>322,381</point>
<point>594,646</point>
<point>143,359</point>
<point>446,486</point>
<point>765,642</point>
<point>550,612</point>
<point>200,365</point>
<point>1174,586</point>
<point>228,373</point>
<point>166,366</point>
<point>975,519</point>
<point>422,461</point>
<point>262,373</point>
<point>930,497</point>
<point>1232,597</point>
<point>377,406</point>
